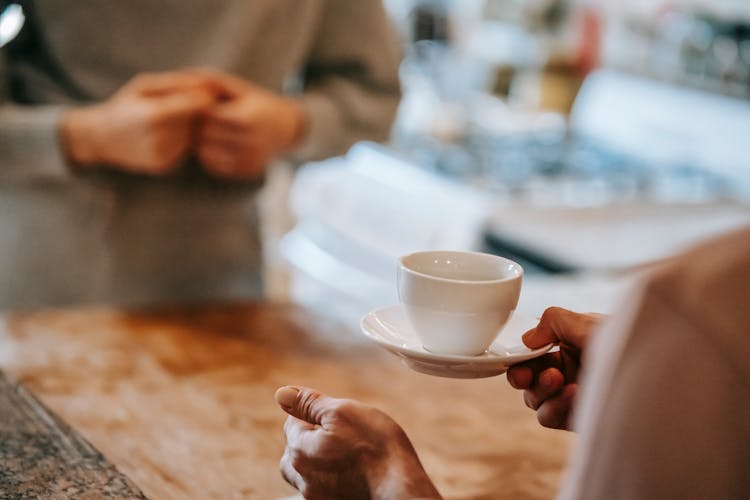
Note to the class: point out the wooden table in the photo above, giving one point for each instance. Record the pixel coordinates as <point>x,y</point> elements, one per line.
<point>181,399</point>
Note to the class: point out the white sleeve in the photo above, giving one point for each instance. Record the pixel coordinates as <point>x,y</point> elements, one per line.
<point>661,415</point>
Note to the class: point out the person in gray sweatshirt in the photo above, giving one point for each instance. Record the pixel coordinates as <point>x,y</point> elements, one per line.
<point>134,137</point>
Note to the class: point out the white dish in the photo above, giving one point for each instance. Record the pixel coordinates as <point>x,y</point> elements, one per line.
<point>390,328</point>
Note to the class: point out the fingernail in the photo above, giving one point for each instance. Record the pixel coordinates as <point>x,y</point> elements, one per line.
<point>286,396</point>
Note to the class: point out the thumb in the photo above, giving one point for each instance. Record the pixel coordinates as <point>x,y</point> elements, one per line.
<point>558,325</point>
<point>304,403</point>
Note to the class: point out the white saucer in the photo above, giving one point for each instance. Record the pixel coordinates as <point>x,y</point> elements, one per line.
<point>390,328</point>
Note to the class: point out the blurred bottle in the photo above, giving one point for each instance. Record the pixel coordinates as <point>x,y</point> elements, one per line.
<point>429,21</point>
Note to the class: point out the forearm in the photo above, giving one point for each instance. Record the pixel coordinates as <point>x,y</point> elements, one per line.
<point>405,481</point>
<point>401,474</point>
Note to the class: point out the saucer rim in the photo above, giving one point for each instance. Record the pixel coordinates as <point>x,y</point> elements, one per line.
<point>486,360</point>
<point>457,371</point>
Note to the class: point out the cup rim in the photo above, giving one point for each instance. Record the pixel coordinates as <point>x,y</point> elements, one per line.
<point>409,270</point>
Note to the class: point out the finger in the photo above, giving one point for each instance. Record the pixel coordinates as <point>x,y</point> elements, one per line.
<point>301,436</point>
<point>537,365</point>
<point>305,403</point>
<point>228,85</point>
<point>571,364</point>
<point>520,376</point>
<point>234,115</point>
<point>156,84</point>
<point>184,103</point>
<point>560,325</point>
<point>293,427</point>
<point>555,412</point>
<point>170,150</point>
<point>548,383</point>
<point>215,131</point>
<point>523,375</point>
<point>221,164</point>
<point>217,159</point>
<point>529,401</point>
<point>288,472</point>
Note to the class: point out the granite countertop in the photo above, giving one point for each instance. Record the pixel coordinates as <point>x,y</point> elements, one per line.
<point>180,400</point>
<point>42,457</point>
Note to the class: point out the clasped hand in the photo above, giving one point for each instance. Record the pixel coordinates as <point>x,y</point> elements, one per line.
<point>151,124</point>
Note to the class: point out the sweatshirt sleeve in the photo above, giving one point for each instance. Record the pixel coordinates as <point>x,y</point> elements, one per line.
<point>351,88</point>
<point>29,142</point>
<point>29,138</point>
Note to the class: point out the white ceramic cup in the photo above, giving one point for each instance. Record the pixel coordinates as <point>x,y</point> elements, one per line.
<point>457,302</point>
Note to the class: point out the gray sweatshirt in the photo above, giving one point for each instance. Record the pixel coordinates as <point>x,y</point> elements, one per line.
<point>110,237</point>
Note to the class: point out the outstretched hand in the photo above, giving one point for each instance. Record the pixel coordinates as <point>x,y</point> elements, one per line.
<point>550,382</point>
<point>340,448</point>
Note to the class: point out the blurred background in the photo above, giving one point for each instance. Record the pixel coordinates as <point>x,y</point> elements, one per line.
<point>583,139</point>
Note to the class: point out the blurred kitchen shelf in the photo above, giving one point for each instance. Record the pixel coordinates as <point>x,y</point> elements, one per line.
<point>611,238</point>
<point>643,171</point>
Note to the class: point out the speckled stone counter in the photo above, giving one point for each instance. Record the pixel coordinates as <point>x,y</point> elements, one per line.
<point>42,457</point>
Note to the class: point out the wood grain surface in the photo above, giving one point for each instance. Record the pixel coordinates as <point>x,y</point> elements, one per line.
<point>181,399</point>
